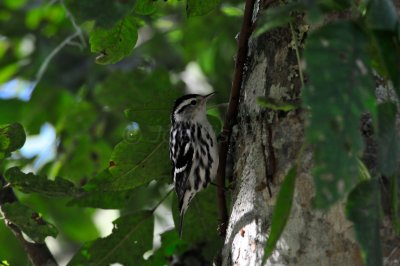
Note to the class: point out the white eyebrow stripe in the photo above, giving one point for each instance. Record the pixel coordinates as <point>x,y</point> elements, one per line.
<point>183,105</point>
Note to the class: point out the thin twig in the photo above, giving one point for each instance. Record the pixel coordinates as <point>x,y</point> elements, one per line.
<point>75,25</point>
<point>67,41</point>
<point>244,35</point>
<point>38,254</point>
<point>53,53</point>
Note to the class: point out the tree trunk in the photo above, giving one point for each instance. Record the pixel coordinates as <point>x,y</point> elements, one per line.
<point>265,145</point>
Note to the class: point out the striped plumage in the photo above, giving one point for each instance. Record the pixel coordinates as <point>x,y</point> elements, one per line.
<point>193,149</point>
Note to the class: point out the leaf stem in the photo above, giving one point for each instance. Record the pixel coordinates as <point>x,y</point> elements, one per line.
<point>296,48</point>
<point>38,254</point>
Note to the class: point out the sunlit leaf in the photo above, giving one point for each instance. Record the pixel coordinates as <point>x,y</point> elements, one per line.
<point>363,210</point>
<point>14,4</point>
<point>281,212</point>
<point>232,11</point>
<point>31,183</point>
<point>145,7</point>
<point>28,221</point>
<point>113,44</point>
<point>339,91</point>
<point>8,72</point>
<point>132,236</point>
<point>277,106</point>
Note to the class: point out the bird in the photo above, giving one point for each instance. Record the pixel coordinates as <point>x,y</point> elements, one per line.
<point>193,149</point>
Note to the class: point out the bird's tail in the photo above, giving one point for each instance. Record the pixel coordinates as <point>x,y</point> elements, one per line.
<point>180,225</point>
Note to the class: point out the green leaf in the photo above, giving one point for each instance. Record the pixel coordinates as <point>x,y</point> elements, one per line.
<point>387,56</point>
<point>388,139</point>
<point>232,11</point>
<point>275,105</point>
<point>200,8</point>
<point>395,196</point>
<point>339,91</point>
<point>281,212</point>
<point>143,197</point>
<point>7,72</point>
<point>14,4</point>
<point>113,44</point>
<point>381,15</point>
<point>12,137</point>
<point>170,244</point>
<point>105,13</point>
<point>145,98</point>
<point>363,210</point>
<point>132,236</point>
<point>102,199</point>
<point>137,163</point>
<point>28,221</point>
<point>145,7</point>
<point>202,215</point>
<point>388,155</point>
<point>31,183</point>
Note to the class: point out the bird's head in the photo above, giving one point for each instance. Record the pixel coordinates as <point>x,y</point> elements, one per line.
<point>190,107</point>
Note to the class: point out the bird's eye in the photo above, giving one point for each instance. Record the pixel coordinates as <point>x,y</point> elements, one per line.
<point>193,102</point>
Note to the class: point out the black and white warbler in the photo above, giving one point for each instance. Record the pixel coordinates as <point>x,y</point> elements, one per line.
<point>193,149</point>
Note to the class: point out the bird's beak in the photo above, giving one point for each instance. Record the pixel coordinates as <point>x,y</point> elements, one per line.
<point>206,97</point>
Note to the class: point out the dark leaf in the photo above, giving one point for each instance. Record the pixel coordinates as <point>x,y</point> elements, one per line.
<point>395,204</point>
<point>202,214</point>
<point>105,13</point>
<point>28,221</point>
<point>339,91</point>
<point>388,139</point>
<point>363,210</point>
<point>386,54</point>
<point>31,183</point>
<point>132,236</point>
<point>381,15</point>
<point>12,137</point>
<point>145,98</point>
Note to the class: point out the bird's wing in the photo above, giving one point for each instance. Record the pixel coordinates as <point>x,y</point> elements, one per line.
<point>181,153</point>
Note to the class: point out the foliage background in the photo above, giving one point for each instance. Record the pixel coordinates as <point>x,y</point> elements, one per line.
<point>83,103</point>
<point>105,121</point>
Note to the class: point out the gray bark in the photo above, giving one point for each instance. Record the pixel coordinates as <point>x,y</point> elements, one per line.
<point>268,142</point>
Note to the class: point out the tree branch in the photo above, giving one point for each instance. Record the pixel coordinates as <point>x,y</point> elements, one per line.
<point>244,35</point>
<point>38,254</point>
